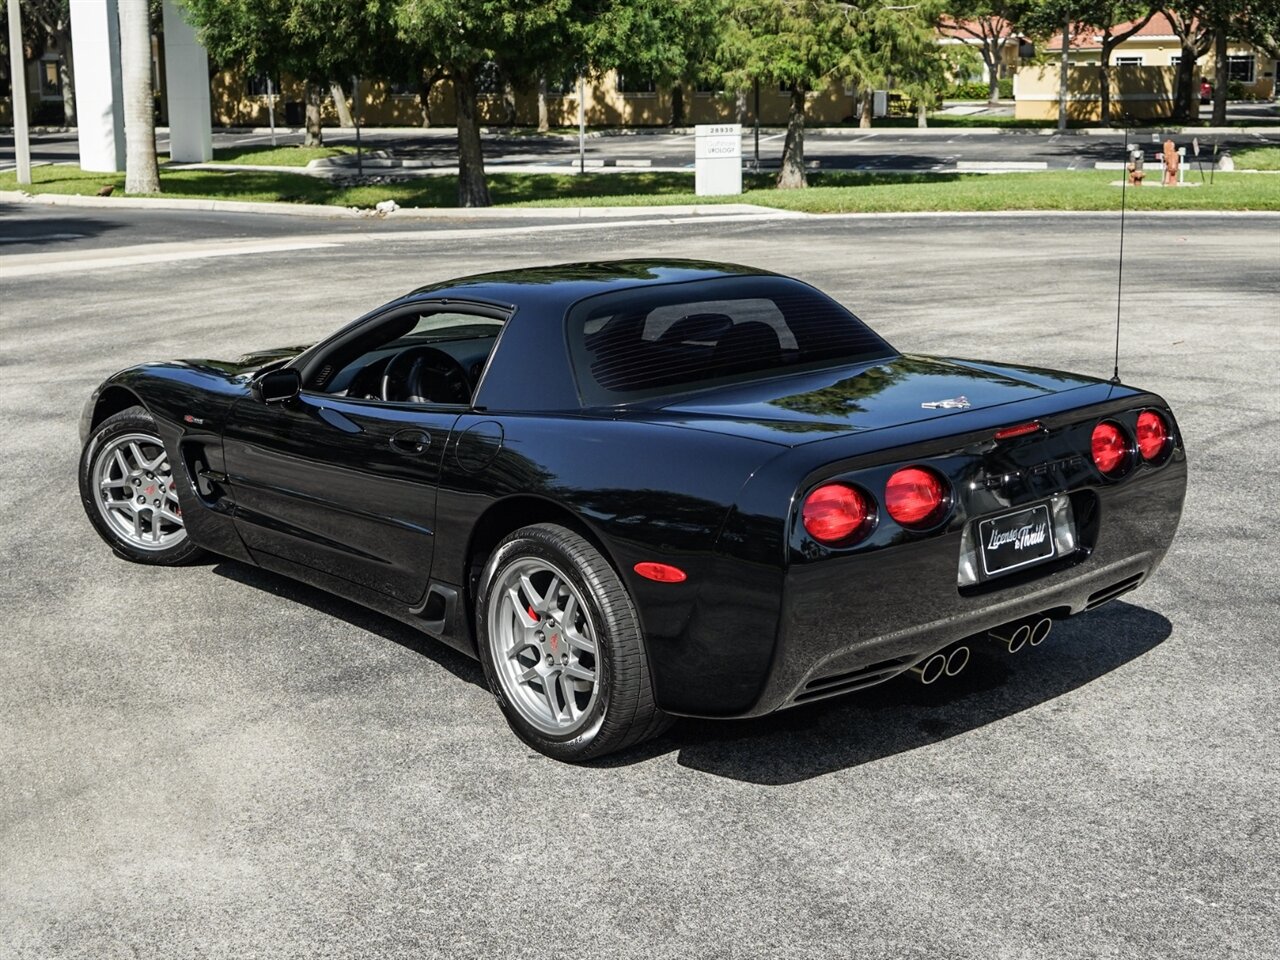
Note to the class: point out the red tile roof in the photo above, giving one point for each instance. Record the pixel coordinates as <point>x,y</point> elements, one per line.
<point>1091,38</point>
<point>956,28</point>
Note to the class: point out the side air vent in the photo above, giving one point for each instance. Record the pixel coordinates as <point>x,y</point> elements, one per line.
<point>1113,591</point>
<point>323,376</point>
<point>852,680</point>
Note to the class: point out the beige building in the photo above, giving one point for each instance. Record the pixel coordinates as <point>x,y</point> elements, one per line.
<point>1143,75</point>
<point>612,100</point>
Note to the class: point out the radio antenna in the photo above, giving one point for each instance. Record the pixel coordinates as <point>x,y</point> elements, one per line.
<point>1124,186</point>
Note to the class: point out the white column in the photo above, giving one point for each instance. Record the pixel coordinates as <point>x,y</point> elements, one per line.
<point>186,74</point>
<point>95,37</point>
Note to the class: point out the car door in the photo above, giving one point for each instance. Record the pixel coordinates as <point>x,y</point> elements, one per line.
<point>339,475</point>
<point>343,487</point>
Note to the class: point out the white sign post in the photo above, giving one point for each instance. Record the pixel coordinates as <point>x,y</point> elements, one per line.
<point>718,158</point>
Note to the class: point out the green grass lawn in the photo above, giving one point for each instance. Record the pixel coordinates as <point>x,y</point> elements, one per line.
<point>288,156</point>
<point>828,193</point>
<point>1256,158</point>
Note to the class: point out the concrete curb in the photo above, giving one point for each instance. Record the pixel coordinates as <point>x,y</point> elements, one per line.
<point>180,203</point>
<point>478,214</point>
<point>483,214</point>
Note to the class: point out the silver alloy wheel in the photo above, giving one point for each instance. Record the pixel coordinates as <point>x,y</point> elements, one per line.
<point>135,492</point>
<point>544,646</point>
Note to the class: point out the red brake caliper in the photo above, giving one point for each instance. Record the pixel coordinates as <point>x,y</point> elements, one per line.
<point>532,614</point>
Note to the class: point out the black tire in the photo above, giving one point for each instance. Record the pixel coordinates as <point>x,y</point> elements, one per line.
<point>134,420</point>
<point>623,712</point>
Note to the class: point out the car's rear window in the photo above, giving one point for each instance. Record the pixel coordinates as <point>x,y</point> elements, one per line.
<point>654,341</point>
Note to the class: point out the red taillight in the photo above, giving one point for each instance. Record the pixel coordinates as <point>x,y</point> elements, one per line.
<point>1153,435</point>
<point>660,572</point>
<point>835,512</point>
<point>916,497</point>
<point>1110,448</point>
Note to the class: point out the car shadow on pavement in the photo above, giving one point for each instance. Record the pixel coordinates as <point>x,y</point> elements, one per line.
<point>19,231</point>
<point>903,714</point>
<point>362,618</point>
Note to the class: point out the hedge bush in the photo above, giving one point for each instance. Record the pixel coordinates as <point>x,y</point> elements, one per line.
<point>977,90</point>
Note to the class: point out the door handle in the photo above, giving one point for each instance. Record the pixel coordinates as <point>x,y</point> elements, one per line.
<point>410,443</point>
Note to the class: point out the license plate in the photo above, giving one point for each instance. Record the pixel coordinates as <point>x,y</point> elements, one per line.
<point>1016,539</point>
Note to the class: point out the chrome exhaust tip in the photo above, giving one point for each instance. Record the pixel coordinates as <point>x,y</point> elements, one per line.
<point>931,668</point>
<point>1013,635</point>
<point>1040,631</point>
<point>957,660</point>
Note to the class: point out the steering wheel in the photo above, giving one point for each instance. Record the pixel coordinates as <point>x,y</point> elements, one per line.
<point>425,375</point>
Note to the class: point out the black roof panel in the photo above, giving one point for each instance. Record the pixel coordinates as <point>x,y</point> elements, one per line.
<point>564,284</point>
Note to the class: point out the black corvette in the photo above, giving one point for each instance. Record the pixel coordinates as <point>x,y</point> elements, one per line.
<point>638,490</point>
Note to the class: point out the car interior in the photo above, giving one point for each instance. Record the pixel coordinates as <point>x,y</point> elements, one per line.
<point>434,358</point>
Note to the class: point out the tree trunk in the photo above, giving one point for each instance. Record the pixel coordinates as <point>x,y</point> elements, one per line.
<point>1221,74</point>
<point>315,96</point>
<point>340,104</point>
<point>424,98</point>
<point>740,107</point>
<point>922,113</point>
<point>1185,82</point>
<point>66,76</point>
<point>473,191</point>
<point>1104,83</point>
<point>508,104</point>
<point>677,104</point>
<point>141,173</point>
<point>1063,69</point>
<point>867,96</point>
<point>792,172</point>
<point>992,60</point>
<point>992,52</point>
<point>544,117</point>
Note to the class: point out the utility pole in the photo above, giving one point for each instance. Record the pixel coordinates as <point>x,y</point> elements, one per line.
<point>582,124</point>
<point>755,160</point>
<point>271,109</point>
<point>355,102</point>
<point>18,84</point>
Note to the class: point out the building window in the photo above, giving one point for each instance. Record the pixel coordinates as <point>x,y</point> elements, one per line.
<point>1240,69</point>
<point>50,82</point>
<point>635,83</point>
<point>257,86</point>
<point>1129,61</point>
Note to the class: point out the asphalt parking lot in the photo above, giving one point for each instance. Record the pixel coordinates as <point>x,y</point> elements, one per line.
<point>217,762</point>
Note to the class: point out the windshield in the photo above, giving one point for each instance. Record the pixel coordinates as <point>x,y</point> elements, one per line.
<point>666,340</point>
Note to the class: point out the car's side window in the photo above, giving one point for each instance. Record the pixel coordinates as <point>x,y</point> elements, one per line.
<point>423,355</point>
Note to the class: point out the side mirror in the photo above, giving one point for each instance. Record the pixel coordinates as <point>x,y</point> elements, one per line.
<point>277,386</point>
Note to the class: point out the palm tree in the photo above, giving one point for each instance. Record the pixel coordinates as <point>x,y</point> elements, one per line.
<point>141,174</point>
